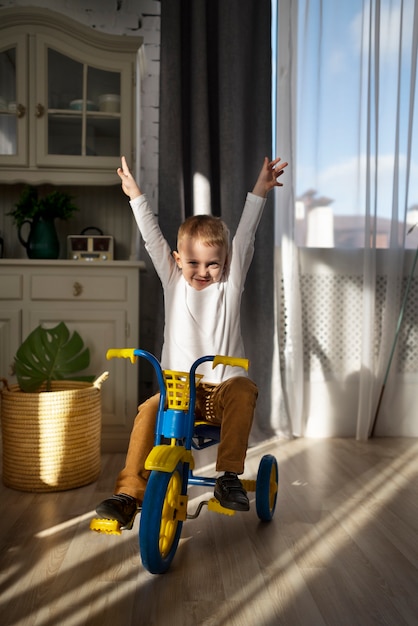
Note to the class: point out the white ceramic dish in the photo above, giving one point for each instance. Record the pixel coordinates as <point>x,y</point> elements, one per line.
<point>109,103</point>
<point>77,105</point>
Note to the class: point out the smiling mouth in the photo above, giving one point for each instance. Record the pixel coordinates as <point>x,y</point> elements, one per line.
<point>202,282</point>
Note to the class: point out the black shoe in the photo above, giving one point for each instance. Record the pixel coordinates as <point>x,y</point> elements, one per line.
<point>120,507</point>
<point>230,492</point>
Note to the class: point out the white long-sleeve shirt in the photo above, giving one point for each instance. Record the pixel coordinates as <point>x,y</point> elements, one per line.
<point>205,322</point>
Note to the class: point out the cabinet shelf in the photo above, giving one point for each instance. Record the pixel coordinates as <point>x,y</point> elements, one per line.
<point>69,113</point>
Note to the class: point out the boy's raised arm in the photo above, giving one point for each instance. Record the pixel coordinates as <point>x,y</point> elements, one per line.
<point>129,184</point>
<point>267,178</point>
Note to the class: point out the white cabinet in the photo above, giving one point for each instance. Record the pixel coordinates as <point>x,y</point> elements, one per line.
<point>67,99</point>
<point>101,302</point>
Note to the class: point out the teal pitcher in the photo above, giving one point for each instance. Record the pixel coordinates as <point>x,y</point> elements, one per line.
<point>42,242</point>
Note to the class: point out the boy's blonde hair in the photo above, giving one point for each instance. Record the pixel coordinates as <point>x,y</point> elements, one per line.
<point>210,230</point>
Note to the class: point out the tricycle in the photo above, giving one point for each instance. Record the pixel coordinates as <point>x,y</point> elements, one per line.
<point>171,464</point>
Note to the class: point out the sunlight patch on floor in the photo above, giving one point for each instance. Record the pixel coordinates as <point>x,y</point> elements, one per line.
<point>382,488</point>
<point>64,525</point>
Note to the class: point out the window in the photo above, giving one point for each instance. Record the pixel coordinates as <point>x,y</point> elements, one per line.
<point>356,140</point>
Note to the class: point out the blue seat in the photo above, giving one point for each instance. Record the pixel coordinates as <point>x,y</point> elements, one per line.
<point>205,435</point>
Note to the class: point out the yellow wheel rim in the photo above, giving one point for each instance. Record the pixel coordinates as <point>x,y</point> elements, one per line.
<point>169,519</point>
<point>273,485</point>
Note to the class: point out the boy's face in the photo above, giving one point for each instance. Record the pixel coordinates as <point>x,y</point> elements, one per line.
<point>201,265</point>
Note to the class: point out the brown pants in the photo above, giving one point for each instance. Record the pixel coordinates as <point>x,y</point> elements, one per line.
<point>230,404</point>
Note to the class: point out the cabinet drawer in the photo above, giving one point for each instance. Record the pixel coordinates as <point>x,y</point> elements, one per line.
<point>11,287</point>
<point>78,287</point>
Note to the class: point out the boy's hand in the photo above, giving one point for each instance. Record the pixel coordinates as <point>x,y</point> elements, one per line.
<point>267,179</point>
<point>129,185</point>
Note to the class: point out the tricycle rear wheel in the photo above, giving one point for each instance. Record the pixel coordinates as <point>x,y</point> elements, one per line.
<point>267,487</point>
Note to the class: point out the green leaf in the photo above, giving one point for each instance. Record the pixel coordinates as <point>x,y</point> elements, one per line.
<point>56,204</point>
<point>50,354</point>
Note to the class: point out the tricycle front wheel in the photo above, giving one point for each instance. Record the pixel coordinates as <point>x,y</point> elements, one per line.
<point>160,526</point>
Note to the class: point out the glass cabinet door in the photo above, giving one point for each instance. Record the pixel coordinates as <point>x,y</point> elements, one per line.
<point>8,125</point>
<point>83,108</point>
<point>104,88</point>
<point>13,105</point>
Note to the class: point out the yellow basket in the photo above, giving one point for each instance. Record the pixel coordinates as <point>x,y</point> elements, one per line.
<point>178,388</point>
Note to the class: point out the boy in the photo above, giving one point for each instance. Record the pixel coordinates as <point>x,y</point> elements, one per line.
<point>203,281</point>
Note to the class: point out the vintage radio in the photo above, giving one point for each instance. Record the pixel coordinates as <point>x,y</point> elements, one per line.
<point>90,247</point>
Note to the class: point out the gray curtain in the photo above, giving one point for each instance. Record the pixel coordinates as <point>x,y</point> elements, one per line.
<point>215,120</point>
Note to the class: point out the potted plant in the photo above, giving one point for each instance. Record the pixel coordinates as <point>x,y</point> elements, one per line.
<point>51,420</point>
<point>40,213</point>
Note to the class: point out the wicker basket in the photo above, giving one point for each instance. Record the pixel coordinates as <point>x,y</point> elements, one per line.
<point>51,440</point>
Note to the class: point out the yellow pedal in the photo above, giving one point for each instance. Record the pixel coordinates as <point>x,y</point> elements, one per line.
<point>105,526</point>
<point>214,505</point>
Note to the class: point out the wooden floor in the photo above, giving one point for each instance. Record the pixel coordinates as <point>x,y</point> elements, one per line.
<point>342,549</point>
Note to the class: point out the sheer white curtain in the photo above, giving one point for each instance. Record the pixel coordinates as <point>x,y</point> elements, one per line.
<point>345,119</point>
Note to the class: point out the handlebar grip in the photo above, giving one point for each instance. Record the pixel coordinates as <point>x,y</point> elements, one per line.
<point>231,360</point>
<point>123,353</point>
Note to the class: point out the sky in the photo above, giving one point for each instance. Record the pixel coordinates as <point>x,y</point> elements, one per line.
<point>333,85</point>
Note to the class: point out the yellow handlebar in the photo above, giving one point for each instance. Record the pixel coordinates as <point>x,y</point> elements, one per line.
<point>231,360</point>
<point>123,353</point>
<point>128,353</point>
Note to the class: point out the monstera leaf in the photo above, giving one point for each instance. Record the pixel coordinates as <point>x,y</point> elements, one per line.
<point>50,354</point>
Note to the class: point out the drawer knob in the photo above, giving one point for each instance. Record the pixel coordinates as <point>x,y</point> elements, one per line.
<point>77,289</point>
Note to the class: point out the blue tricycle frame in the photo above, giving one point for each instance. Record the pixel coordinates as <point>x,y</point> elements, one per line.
<point>171,464</point>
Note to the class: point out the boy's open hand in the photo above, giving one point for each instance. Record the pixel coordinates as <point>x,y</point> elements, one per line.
<point>129,185</point>
<point>269,173</point>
